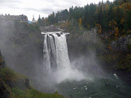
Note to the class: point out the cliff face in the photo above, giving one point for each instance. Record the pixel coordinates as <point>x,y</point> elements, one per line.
<point>4,93</point>
<point>2,63</point>
<point>113,55</point>
<point>14,85</point>
<point>10,79</point>
<point>21,45</point>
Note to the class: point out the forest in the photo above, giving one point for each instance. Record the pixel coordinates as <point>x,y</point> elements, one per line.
<point>112,22</point>
<point>99,43</point>
<point>112,19</point>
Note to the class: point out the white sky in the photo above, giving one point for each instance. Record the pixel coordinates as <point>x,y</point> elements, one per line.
<point>39,7</point>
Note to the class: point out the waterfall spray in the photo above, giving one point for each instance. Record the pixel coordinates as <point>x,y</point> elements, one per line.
<point>55,51</point>
<point>56,59</point>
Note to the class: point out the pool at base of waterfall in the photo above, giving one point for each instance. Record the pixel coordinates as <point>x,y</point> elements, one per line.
<point>98,88</point>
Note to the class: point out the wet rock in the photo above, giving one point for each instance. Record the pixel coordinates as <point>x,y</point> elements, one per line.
<point>4,93</point>
<point>2,63</point>
<point>19,83</point>
<point>122,44</point>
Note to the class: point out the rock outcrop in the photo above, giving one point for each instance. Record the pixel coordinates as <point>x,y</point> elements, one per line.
<point>122,44</point>
<point>10,79</point>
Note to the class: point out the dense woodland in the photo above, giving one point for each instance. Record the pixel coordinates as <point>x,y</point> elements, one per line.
<point>20,41</point>
<point>112,20</point>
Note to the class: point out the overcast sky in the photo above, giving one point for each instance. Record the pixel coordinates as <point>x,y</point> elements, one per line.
<point>39,7</point>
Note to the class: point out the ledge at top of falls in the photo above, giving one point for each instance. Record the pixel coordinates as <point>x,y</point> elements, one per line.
<point>51,28</point>
<point>55,32</point>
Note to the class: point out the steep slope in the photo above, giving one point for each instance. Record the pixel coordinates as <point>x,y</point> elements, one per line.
<point>14,85</point>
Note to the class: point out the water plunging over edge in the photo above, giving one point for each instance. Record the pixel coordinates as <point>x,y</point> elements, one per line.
<point>56,59</point>
<point>55,51</point>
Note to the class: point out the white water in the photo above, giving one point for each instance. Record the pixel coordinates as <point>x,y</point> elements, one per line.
<point>55,49</point>
<point>46,54</point>
<point>56,59</point>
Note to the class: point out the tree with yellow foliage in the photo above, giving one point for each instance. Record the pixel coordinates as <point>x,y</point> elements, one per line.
<point>99,28</point>
<point>80,21</point>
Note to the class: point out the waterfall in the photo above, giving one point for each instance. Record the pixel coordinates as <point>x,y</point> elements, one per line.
<point>56,61</point>
<point>55,51</point>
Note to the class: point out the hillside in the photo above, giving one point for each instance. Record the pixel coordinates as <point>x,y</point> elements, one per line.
<point>111,41</point>
<point>15,85</point>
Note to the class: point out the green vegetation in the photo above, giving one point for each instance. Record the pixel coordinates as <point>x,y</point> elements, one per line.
<point>116,61</point>
<point>33,94</point>
<point>26,26</point>
<point>11,86</point>
<point>113,23</point>
<point>124,63</point>
<point>8,74</point>
<point>112,19</point>
<point>1,60</point>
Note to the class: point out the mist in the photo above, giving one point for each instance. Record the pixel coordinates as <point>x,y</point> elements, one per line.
<point>83,66</point>
<point>22,49</point>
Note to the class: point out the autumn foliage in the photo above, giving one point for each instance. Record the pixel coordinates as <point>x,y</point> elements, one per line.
<point>112,19</point>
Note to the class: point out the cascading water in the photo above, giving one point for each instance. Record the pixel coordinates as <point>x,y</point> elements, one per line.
<point>56,60</point>
<point>60,73</point>
<point>55,51</point>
